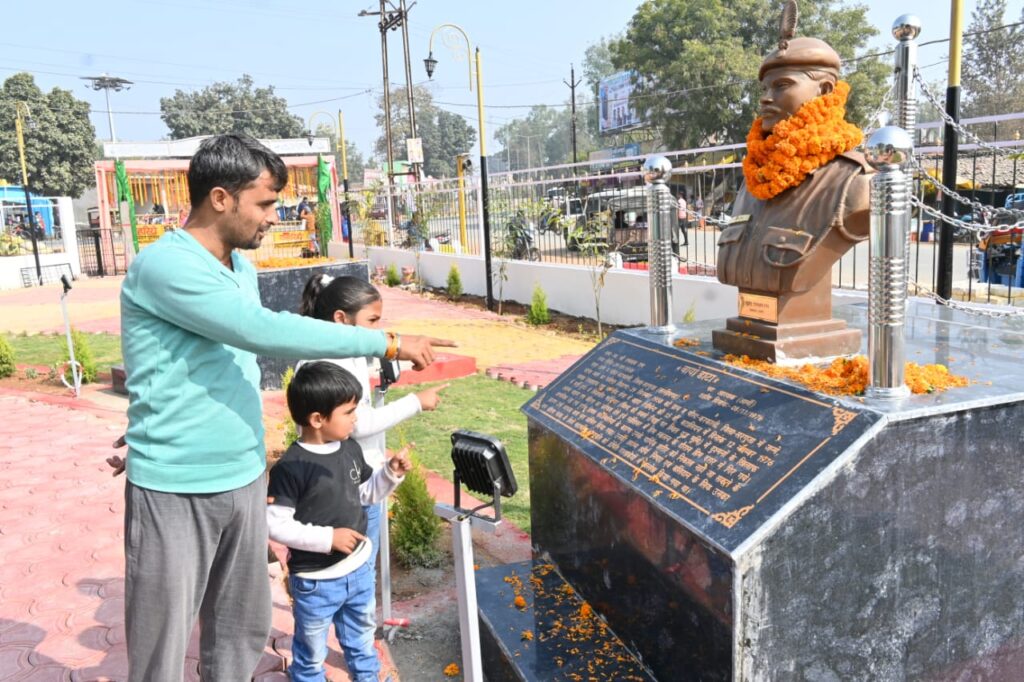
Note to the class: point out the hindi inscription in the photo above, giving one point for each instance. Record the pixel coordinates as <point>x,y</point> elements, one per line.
<point>722,448</point>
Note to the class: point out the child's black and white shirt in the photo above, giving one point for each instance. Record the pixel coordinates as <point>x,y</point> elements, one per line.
<point>315,489</point>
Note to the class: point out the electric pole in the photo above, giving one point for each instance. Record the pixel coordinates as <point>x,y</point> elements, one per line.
<point>572,88</point>
<point>108,83</point>
<point>404,12</point>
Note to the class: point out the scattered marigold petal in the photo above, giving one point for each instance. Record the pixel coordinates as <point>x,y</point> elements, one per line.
<point>519,602</point>
<point>451,670</point>
<point>526,635</point>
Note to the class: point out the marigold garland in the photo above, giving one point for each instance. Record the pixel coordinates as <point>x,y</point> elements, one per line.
<point>808,139</point>
<point>849,376</point>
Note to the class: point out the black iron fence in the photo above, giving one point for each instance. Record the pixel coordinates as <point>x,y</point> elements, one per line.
<point>101,252</point>
<point>582,213</point>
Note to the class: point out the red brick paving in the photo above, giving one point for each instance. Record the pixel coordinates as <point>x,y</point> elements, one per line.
<point>62,553</point>
<point>61,517</point>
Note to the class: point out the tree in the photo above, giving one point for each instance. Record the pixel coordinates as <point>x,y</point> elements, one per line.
<point>60,145</point>
<point>993,66</point>
<point>695,63</point>
<point>444,134</point>
<point>230,108</point>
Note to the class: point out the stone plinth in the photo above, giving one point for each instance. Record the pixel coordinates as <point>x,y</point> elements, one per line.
<point>281,290</point>
<point>863,540</point>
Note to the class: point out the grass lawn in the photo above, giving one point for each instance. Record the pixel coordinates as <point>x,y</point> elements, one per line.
<point>478,404</point>
<point>49,349</point>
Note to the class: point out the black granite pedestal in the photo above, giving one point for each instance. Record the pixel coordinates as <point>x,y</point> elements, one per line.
<point>281,290</point>
<point>727,526</point>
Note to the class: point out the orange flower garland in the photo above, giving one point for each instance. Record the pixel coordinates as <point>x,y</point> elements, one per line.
<point>808,139</point>
<point>849,376</point>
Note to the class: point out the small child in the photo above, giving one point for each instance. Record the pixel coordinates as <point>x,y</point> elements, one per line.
<point>354,301</point>
<point>315,507</point>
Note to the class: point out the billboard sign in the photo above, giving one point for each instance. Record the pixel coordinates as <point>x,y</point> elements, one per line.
<point>614,110</point>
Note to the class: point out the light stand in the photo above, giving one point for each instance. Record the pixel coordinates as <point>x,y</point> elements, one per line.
<point>482,464</point>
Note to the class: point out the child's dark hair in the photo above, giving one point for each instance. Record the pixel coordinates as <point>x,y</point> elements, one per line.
<point>320,387</point>
<point>325,294</point>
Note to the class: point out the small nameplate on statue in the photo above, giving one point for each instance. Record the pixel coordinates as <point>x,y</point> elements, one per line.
<point>759,307</point>
<point>745,218</point>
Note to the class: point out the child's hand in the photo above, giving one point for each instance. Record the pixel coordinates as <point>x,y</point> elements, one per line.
<point>429,399</point>
<point>399,462</point>
<point>116,462</point>
<point>345,540</point>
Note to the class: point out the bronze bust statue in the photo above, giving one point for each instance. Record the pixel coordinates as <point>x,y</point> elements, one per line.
<point>804,203</point>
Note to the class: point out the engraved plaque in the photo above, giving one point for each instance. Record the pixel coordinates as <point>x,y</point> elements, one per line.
<point>721,448</point>
<point>759,307</point>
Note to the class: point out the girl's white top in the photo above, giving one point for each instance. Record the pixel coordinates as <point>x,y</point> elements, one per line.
<point>372,422</point>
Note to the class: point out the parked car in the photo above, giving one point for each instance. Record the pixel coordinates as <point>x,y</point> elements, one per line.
<point>1015,200</point>
<point>616,220</point>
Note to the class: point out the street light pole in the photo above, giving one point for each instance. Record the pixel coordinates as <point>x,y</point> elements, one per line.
<point>108,83</point>
<point>430,63</point>
<point>345,214</point>
<point>21,112</point>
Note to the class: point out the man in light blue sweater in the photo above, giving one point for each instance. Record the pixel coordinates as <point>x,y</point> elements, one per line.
<point>195,512</point>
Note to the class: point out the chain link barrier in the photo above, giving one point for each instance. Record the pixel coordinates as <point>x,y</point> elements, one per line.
<point>960,129</point>
<point>924,292</point>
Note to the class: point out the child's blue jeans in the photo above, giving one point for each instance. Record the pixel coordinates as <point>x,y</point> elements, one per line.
<point>343,602</point>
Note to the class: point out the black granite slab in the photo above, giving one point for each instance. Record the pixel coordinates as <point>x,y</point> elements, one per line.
<point>281,290</point>
<point>894,554</point>
<point>552,634</point>
<point>720,448</point>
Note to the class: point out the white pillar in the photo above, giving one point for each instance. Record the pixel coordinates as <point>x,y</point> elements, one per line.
<point>69,234</point>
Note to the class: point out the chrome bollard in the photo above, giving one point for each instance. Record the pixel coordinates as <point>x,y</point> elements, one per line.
<point>661,212</point>
<point>906,29</point>
<point>888,150</point>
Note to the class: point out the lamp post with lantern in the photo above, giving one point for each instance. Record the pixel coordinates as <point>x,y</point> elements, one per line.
<point>431,64</point>
<point>23,115</point>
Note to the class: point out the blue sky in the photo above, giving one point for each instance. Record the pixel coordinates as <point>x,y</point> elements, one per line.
<point>319,51</point>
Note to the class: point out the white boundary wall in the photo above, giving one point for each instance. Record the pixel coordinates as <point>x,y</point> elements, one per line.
<point>10,266</point>
<point>625,299</point>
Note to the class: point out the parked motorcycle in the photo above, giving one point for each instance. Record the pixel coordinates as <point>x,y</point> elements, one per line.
<point>520,236</point>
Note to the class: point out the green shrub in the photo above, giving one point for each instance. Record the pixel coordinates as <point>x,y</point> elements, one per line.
<point>538,312</point>
<point>291,433</point>
<point>84,356</point>
<point>6,357</point>
<point>415,529</point>
<point>31,373</point>
<point>454,283</point>
<point>391,276</point>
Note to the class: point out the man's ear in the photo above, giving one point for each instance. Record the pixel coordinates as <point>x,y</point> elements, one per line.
<point>221,199</point>
<point>826,87</point>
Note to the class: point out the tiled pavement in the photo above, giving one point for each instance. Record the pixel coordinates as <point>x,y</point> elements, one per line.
<point>62,556</point>
<point>61,512</point>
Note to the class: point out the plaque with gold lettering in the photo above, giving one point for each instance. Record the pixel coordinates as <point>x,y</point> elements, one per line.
<point>720,447</point>
<point>759,307</point>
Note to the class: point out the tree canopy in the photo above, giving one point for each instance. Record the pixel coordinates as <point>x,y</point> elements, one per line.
<point>444,134</point>
<point>230,108</point>
<point>695,63</point>
<point>993,63</point>
<point>60,143</point>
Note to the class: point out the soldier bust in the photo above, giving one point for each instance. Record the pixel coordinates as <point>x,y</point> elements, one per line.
<point>804,203</point>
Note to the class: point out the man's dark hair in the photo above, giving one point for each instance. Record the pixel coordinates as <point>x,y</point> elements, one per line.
<point>232,162</point>
<point>320,387</point>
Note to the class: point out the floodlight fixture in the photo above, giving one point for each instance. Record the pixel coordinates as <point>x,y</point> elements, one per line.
<point>482,464</point>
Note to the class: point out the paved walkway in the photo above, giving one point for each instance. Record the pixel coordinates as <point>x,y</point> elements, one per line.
<point>61,513</point>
